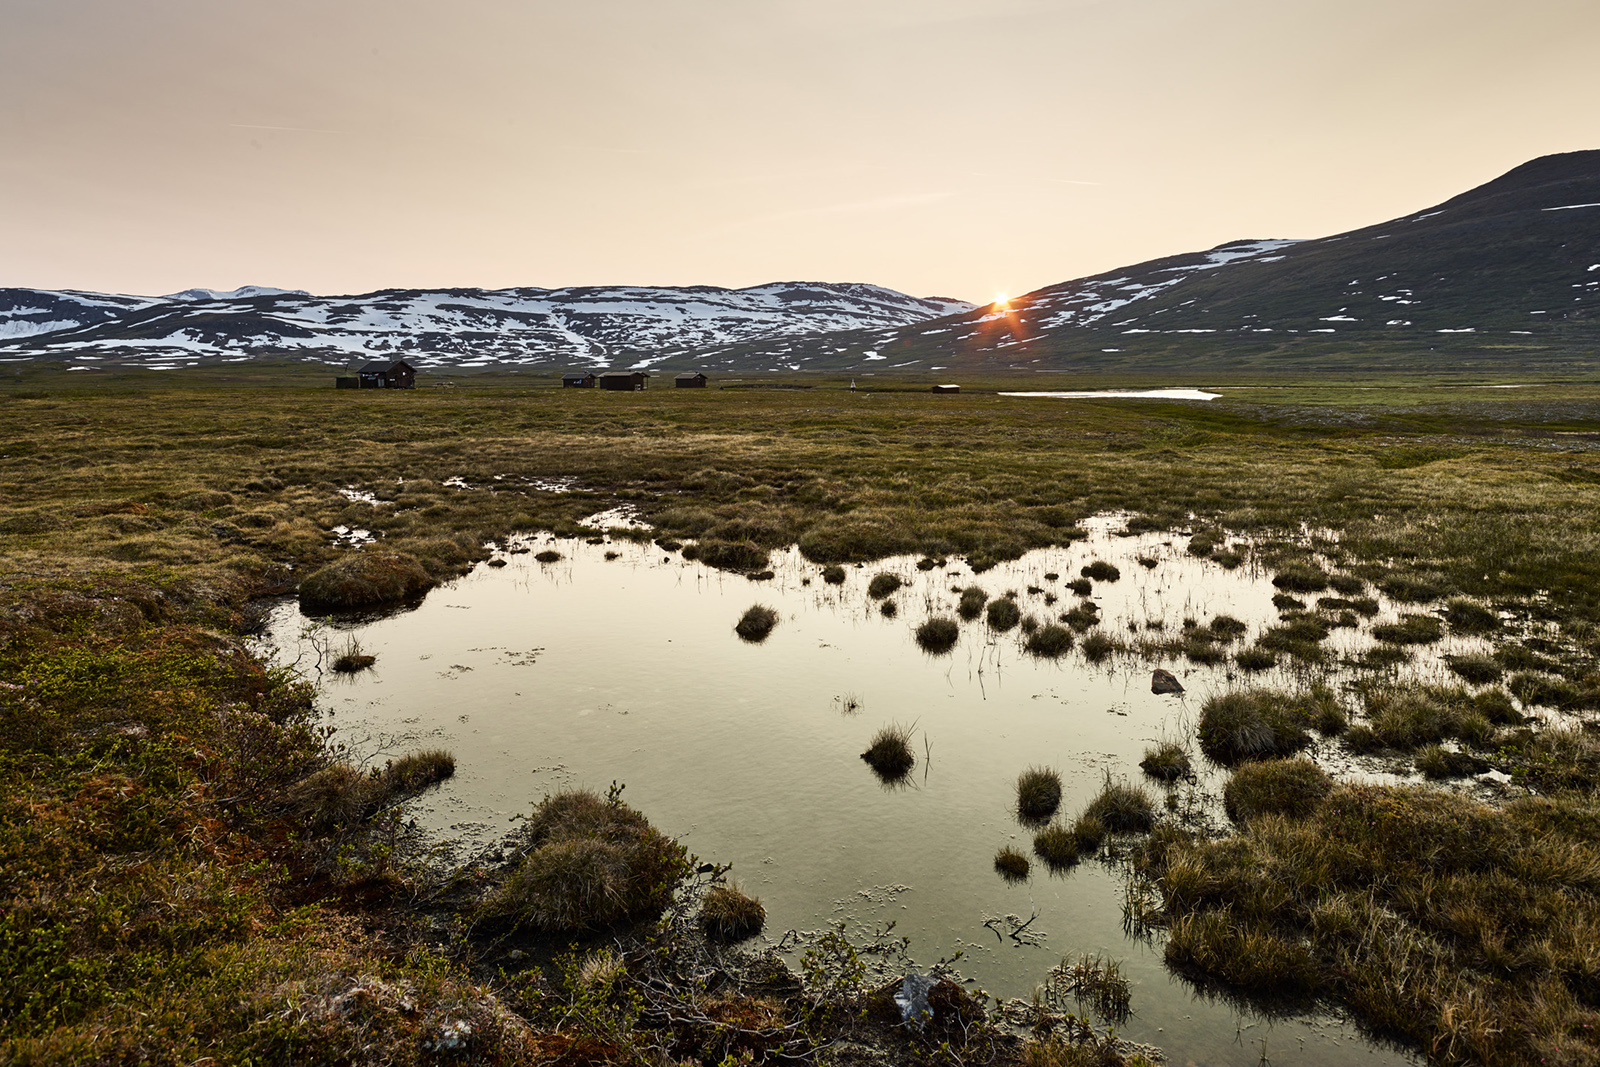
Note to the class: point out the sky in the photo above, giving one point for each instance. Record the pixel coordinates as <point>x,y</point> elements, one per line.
<point>940,147</point>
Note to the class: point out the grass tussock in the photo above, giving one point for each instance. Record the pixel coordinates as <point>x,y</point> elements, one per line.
<point>889,753</point>
<point>1458,928</point>
<point>728,914</point>
<point>352,658</point>
<point>756,623</point>
<point>548,555</point>
<point>833,574</point>
<point>1011,864</point>
<point>365,580</point>
<point>1122,808</point>
<point>970,606</point>
<point>1293,788</point>
<point>882,584</point>
<point>591,861</point>
<point>1038,793</point>
<point>1100,571</point>
<point>1057,846</point>
<point>1253,724</point>
<point>937,636</point>
<point>1166,762</point>
<point>1410,630</point>
<point>1049,642</point>
<point>1003,614</point>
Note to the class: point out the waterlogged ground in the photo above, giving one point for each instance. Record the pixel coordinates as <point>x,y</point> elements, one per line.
<point>619,661</point>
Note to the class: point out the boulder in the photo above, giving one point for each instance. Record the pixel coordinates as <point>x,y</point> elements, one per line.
<point>1164,682</point>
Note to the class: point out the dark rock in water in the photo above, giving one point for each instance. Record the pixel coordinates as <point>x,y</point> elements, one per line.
<point>1163,682</point>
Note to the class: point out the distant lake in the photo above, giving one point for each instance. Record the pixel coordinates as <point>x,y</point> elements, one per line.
<point>1153,394</point>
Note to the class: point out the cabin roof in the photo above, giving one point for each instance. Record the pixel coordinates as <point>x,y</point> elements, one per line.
<point>378,366</point>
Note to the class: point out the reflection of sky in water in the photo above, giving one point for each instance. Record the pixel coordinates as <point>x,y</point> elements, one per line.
<point>1152,394</point>
<point>541,677</point>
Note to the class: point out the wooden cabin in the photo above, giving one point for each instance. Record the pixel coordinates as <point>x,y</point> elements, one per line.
<point>694,380</point>
<point>629,380</point>
<point>388,374</point>
<point>947,388</point>
<point>578,379</point>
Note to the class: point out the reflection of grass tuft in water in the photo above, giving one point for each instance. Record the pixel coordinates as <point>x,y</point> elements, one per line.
<point>1012,865</point>
<point>1038,793</point>
<point>889,755</point>
<point>756,623</point>
<point>938,635</point>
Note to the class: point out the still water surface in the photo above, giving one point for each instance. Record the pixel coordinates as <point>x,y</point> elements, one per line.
<point>543,677</point>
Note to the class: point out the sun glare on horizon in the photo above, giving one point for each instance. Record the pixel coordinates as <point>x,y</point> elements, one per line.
<point>1002,301</point>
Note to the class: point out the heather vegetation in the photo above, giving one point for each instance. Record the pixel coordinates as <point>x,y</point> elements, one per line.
<point>193,868</point>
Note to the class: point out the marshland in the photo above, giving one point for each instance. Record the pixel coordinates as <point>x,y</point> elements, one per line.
<point>1368,820</point>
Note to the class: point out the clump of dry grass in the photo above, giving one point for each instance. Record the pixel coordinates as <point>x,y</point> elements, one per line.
<point>1003,614</point>
<point>353,659</point>
<point>938,635</point>
<point>1252,724</point>
<point>970,606</point>
<point>889,754</point>
<point>1038,793</point>
<point>592,861</point>
<point>728,914</point>
<point>1290,787</point>
<point>756,623</point>
<point>1012,864</point>
<point>1166,762</point>
<point>882,584</point>
<point>1049,642</point>
<point>364,580</point>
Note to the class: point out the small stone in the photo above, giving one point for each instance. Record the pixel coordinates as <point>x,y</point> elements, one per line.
<point>1164,682</point>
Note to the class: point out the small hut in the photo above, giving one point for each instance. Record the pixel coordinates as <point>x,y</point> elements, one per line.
<point>627,380</point>
<point>947,388</point>
<point>693,380</point>
<point>388,374</point>
<point>578,379</point>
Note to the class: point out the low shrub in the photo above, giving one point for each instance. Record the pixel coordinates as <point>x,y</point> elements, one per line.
<point>1003,614</point>
<point>1049,642</point>
<point>1293,788</point>
<point>938,635</point>
<point>756,623</point>
<point>728,914</point>
<point>592,862</point>
<point>972,601</point>
<point>364,580</point>
<point>1038,793</point>
<point>882,584</point>
<point>1012,864</point>
<point>889,754</point>
<point>1166,762</point>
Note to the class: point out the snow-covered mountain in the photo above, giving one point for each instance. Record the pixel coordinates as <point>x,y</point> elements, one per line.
<point>624,326</point>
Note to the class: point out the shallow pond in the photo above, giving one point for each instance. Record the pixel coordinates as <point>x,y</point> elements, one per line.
<point>546,676</point>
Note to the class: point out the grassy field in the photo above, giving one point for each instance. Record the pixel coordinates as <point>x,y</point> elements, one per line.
<point>176,890</point>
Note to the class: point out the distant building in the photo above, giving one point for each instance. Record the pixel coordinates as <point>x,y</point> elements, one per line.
<point>947,388</point>
<point>388,374</point>
<point>631,380</point>
<point>695,380</point>
<point>578,379</point>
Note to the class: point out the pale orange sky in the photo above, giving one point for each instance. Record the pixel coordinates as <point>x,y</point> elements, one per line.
<point>940,147</point>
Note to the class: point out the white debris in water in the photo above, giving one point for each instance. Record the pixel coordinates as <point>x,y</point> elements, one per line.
<point>1569,207</point>
<point>621,517</point>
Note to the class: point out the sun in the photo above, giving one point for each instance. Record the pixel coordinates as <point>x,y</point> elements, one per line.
<point>1001,301</point>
